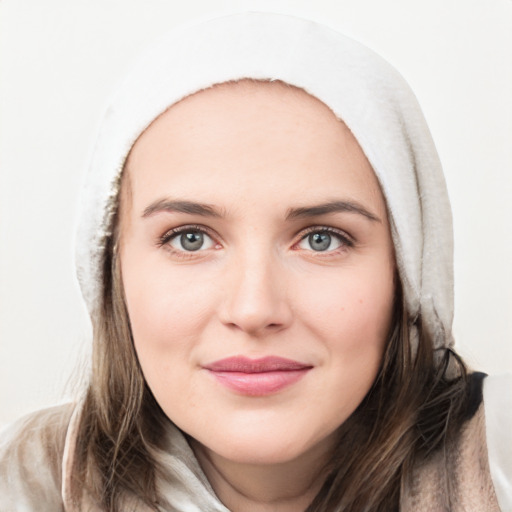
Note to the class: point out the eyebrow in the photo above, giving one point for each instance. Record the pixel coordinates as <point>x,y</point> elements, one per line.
<point>331,207</point>
<point>190,207</point>
<point>207,210</point>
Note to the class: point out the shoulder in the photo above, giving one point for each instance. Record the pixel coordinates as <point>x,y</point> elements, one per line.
<point>461,475</point>
<point>31,451</point>
<point>497,394</point>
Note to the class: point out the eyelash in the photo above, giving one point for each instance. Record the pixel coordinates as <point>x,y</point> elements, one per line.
<point>168,236</point>
<point>345,240</point>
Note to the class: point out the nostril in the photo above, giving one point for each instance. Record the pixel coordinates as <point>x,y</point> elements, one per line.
<point>254,302</point>
<point>244,326</point>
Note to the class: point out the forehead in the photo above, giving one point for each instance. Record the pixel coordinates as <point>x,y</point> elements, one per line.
<point>247,106</point>
<point>247,137</point>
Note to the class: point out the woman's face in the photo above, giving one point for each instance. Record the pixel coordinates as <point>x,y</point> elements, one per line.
<point>258,270</point>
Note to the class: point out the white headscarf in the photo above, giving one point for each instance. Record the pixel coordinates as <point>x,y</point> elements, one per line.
<point>357,85</point>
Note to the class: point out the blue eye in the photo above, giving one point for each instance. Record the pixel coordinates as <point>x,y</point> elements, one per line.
<point>323,241</point>
<point>191,240</point>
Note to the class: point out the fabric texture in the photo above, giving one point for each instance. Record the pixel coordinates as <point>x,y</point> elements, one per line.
<point>498,422</point>
<point>359,87</point>
<point>31,455</point>
<point>36,455</point>
<point>373,100</point>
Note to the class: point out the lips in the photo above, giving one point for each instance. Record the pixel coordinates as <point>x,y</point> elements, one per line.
<point>257,377</point>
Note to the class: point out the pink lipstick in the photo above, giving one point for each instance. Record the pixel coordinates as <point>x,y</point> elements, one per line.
<point>257,377</point>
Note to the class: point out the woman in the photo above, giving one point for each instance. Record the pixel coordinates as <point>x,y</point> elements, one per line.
<point>265,250</point>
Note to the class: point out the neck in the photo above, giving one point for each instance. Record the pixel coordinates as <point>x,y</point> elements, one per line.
<point>289,486</point>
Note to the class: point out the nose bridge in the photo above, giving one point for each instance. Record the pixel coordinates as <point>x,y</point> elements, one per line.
<point>256,291</point>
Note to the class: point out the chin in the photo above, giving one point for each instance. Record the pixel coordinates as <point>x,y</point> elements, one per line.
<point>261,453</point>
<point>268,444</point>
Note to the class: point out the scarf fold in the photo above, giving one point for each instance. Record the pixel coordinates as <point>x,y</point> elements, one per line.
<point>357,85</point>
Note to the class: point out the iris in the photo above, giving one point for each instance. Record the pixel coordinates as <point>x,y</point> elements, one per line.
<point>319,241</point>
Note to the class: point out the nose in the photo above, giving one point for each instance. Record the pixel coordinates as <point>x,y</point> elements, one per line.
<point>256,296</point>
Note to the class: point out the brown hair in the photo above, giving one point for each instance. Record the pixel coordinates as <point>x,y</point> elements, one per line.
<point>412,409</point>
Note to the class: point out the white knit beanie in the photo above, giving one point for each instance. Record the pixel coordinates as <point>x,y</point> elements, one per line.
<point>357,85</point>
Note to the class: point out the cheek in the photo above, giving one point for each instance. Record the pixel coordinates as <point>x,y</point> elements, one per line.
<point>166,328</point>
<point>352,305</point>
<point>353,317</point>
<point>165,319</point>
<point>166,311</point>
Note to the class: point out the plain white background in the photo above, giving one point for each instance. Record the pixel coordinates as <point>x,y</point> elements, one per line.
<point>60,60</point>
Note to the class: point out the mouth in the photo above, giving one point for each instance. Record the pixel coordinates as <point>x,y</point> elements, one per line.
<point>257,377</point>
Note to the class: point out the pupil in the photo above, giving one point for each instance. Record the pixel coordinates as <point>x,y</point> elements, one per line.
<point>320,241</point>
<point>192,241</point>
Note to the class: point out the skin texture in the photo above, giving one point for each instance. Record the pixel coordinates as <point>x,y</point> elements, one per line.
<point>256,287</point>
